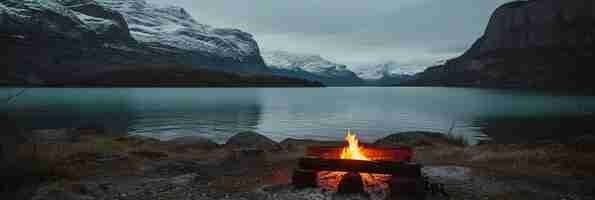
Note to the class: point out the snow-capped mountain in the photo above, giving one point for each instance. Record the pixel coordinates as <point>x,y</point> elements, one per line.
<point>173,26</point>
<point>68,19</point>
<point>310,67</point>
<point>384,73</point>
<point>379,70</point>
<point>70,40</point>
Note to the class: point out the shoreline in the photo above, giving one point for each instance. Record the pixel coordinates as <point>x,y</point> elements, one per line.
<point>207,168</point>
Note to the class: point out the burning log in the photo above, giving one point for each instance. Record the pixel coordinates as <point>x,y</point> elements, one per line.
<point>351,183</point>
<point>363,166</point>
<point>304,178</point>
<point>374,153</point>
<point>354,164</point>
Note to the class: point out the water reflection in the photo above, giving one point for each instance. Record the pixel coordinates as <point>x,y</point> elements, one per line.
<point>70,108</point>
<point>312,113</point>
<point>536,128</point>
<point>214,113</point>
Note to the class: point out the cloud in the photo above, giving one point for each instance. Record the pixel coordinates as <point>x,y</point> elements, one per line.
<point>353,31</point>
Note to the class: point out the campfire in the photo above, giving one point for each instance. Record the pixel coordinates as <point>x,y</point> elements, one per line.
<point>358,168</point>
<point>353,151</point>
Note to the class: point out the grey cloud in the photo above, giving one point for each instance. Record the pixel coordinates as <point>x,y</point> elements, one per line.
<point>353,31</point>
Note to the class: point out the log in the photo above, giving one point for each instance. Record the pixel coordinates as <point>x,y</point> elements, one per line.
<point>351,183</point>
<point>399,169</point>
<point>374,153</point>
<point>304,179</point>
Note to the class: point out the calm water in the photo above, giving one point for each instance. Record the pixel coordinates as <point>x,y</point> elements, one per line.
<point>316,113</point>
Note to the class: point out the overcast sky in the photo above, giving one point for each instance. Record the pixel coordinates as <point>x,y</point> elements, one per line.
<point>413,32</point>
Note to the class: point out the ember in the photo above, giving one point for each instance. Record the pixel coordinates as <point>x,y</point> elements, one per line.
<point>353,151</point>
<point>377,167</point>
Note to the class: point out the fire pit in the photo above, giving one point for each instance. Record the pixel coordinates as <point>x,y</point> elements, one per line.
<point>354,167</point>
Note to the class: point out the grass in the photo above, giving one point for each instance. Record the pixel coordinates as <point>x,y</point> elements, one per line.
<point>72,160</point>
<point>456,140</point>
<point>543,160</point>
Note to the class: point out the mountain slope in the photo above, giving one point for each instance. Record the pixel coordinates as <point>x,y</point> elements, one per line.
<point>310,67</point>
<point>75,40</point>
<point>384,73</point>
<point>532,44</point>
<point>173,27</point>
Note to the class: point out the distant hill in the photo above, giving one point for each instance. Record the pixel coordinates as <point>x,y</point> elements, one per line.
<point>548,44</point>
<point>180,77</point>
<point>310,67</point>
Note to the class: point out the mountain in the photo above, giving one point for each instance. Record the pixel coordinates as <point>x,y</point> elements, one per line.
<point>172,27</point>
<point>384,73</point>
<point>187,77</point>
<point>546,44</point>
<point>77,40</point>
<point>310,67</point>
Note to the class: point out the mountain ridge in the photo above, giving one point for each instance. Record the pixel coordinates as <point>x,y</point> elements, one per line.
<point>544,44</point>
<point>310,67</point>
<point>76,40</point>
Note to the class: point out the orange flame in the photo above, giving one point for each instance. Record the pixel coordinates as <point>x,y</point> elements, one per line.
<point>353,150</point>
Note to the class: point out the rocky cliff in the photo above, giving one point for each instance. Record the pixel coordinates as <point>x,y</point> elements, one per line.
<point>310,67</point>
<point>50,41</point>
<point>530,44</point>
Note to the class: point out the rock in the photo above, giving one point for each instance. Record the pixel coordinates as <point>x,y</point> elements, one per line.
<point>59,191</point>
<point>194,142</point>
<point>407,189</point>
<point>252,140</point>
<point>183,180</point>
<point>246,156</point>
<point>411,139</point>
<point>584,143</point>
<point>291,144</point>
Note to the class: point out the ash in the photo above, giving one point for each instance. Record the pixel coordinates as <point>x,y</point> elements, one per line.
<point>282,192</point>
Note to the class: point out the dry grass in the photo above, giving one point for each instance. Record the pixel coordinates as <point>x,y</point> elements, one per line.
<point>97,155</point>
<point>72,160</point>
<point>553,159</point>
<point>548,159</point>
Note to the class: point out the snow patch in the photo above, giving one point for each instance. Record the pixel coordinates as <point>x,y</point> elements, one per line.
<point>173,26</point>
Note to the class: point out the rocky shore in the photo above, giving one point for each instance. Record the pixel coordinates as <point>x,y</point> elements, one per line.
<point>86,164</point>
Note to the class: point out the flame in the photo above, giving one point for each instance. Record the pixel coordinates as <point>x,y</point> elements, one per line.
<point>353,150</point>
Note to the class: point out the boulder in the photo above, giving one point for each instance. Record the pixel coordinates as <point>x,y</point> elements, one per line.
<point>417,138</point>
<point>252,140</point>
<point>291,144</point>
<point>584,143</point>
<point>194,142</point>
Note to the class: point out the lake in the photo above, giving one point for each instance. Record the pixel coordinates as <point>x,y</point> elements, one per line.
<point>312,113</point>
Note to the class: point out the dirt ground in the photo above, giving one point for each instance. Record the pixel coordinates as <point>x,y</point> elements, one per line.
<point>98,167</point>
